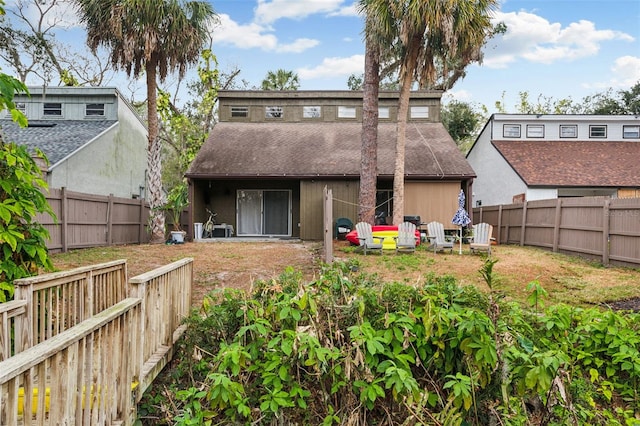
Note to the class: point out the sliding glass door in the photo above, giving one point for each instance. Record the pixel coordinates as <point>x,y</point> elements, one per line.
<point>264,212</point>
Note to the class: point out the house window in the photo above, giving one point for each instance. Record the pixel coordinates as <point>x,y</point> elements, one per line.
<point>20,106</point>
<point>311,112</point>
<point>511,131</point>
<point>52,109</point>
<point>240,111</point>
<point>535,130</point>
<point>273,112</point>
<point>568,131</point>
<point>346,112</point>
<point>419,112</point>
<point>598,131</point>
<point>94,110</point>
<point>631,132</point>
<point>383,112</point>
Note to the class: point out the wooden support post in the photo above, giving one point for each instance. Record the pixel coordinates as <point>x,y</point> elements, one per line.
<point>499,236</point>
<point>328,225</point>
<point>606,226</point>
<point>556,225</point>
<point>64,220</point>
<point>524,223</point>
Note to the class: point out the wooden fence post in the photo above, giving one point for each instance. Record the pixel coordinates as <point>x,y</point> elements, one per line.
<point>328,225</point>
<point>110,220</point>
<point>64,220</point>
<point>556,225</point>
<point>499,236</point>
<point>524,223</point>
<point>606,225</point>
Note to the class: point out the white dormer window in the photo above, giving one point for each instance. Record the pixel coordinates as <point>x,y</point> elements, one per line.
<point>273,112</point>
<point>311,112</point>
<point>383,112</point>
<point>52,109</point>
<point>631,132</point>
<point>598,131</point>
<point>240,111</point>
<point>535,130</point>
<point>511,131</point>
<point>419,112</point>
<point>94,110</point>
<point>346,112</point>
<point>569,131</point>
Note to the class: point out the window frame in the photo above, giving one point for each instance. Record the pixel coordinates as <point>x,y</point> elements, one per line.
<point>534,135</point>
<point>512,131</point>
<point>565,127</point>
<point>49,111</point>
<point>594,127</point>
<point>310,112</point>
<point>419,112</point>
<point>347,112</point>
<point>384,113</point>
<point>239,111</point>
<point>95,110</point>
<point>274,112</point>
<point>626,134</point>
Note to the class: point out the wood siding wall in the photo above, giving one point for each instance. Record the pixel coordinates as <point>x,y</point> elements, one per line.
<point>432,201</point>
<point>85,220</point>
<point>602,228</point>
<point>345,198</point>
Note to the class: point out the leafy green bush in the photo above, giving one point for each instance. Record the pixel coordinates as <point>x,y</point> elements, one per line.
<point>347,349</point>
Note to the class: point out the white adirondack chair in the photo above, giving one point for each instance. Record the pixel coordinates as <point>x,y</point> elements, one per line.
<point>406,239</point>
<point>481,238</point>
<point>437,240</point>
<point>367,240</point>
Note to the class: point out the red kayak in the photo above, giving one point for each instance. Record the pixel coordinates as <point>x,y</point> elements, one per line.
<point>387,231</point>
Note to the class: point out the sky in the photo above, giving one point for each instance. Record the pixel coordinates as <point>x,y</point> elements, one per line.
<point>554,48</point>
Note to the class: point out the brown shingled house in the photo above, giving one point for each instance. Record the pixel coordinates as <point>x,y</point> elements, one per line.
<point>521,157</point>
<point>265,164</point>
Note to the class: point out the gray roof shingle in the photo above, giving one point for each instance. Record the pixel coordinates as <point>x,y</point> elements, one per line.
<point>323,149</point>
<point>57,141</point>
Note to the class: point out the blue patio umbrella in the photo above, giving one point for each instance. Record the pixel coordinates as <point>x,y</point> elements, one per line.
<point>461,218</point>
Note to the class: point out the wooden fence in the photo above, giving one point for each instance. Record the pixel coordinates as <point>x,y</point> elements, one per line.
<point>85,220</point>
<point>602,228</point>
<point>98,342</point>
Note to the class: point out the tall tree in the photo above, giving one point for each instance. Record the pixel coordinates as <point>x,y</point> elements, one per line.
<point>281,80</point>
<point>369,142</point>
<point>432,39</point>
<point>157,37</point>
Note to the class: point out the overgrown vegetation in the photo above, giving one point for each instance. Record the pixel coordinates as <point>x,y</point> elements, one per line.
<point>349,349</point>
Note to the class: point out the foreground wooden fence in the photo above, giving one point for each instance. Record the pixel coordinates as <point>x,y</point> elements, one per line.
<point>83,345</point>
<point>602,228</point>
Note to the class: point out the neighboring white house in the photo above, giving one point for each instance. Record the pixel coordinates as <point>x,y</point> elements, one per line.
<point>93,138</point>
<point>521,157</point>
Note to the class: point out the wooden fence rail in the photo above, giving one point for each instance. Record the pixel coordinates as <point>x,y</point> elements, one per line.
<point>94,366</point>
<point>602,228</point>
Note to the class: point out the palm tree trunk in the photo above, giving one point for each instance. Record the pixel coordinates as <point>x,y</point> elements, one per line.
<point>154,165</point>
<point>369,148</point>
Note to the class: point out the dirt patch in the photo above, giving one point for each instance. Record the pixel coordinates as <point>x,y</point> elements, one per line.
<point>238,264</point>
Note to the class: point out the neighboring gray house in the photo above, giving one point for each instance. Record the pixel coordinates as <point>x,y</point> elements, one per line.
<point>266,162</point>
<point>94,140</point>
<point>520,157</point>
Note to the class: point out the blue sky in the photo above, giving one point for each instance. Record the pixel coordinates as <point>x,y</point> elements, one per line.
<point>554,48</point>
<point>557,48</point>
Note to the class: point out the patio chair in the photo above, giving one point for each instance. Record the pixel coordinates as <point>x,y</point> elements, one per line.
<point>437,240</point>
<point>406,239</point>
<point>481,238</point>
<point>367,240</point>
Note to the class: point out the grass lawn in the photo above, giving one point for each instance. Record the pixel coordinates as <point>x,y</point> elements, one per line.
<point>567,279</point>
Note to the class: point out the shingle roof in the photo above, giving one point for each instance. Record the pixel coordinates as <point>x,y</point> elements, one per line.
<point>57,141</point>
<point>323,149</point>
<point>573,163</point>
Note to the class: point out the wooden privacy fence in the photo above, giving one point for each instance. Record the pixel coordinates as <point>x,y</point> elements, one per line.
<point>86,220</point>
<point>603,228</point>
<point>83,345</point>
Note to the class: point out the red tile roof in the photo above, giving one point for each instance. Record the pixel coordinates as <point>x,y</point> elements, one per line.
<point>574,163</point>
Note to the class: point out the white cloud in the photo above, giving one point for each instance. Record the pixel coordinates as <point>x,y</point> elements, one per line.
<point>270,11</point>
<point>62,15</point>
<point>332,67</point>
<point>535,39</point>
<point>298,46</point>
<point>625,74</point>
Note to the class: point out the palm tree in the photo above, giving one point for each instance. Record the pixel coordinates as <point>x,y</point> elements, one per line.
<point>155,37</point>
<point>281,80</point>
<point>431,38</point>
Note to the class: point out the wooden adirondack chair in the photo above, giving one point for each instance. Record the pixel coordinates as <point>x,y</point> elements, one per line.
<point>481,238</point>
<point>367,240</point>
<point>437,240</point>
<point>406,239</point>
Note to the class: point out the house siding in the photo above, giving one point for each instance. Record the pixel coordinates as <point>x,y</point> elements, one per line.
<point>432,201</point>
<point>345,204</point>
